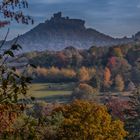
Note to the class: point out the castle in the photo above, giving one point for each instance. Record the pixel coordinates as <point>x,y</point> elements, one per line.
<point>57,19</point>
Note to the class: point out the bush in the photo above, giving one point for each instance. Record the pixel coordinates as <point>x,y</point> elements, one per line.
<point>84,91</point>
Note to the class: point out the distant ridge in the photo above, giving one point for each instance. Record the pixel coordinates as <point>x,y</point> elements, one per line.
<point>60,32</point>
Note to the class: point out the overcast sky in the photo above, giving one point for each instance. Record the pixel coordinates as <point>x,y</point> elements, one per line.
<point>116,18</point>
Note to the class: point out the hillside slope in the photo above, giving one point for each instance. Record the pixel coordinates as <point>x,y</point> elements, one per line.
<point>60,32</point>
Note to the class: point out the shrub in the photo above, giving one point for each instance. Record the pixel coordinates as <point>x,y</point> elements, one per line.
<point>84,91</point>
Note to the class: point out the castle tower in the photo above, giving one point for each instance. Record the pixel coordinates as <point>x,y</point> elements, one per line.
<point>57,15</point>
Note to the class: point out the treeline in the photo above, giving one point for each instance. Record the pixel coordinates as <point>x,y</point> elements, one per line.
<point>112,64</point>
<point>101,80</point>
<point>57,75</point>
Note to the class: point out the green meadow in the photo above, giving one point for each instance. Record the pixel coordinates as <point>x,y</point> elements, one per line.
<point>51,92</point>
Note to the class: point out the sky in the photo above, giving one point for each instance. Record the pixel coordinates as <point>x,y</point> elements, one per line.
<point>117,18</point>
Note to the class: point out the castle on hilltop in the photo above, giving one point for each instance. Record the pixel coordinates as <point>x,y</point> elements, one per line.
<point>57,19</point>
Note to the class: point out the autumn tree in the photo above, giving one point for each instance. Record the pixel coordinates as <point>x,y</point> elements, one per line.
<point>11,10</point>
<point>119,83</point>
<point>118,52</point>
<point>54,74</point>
<point>62,59</point>
<point>95,82</point>
<point>88,121</point>
<point>85,92</point>
<point>83,75</point>
<point>117,108</point>
<point>12,84</point>
<point>131,86</point>
<point>133,116</point>
<point>107,78</point>
<point>119,65</point>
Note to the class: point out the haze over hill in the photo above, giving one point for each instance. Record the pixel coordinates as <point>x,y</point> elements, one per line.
<point>60,32</point>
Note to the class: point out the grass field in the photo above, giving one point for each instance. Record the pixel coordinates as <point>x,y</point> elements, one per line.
<point>51,92</point>
<point>60,92</point>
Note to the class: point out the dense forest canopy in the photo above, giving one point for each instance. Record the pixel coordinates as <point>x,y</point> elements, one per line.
<point>112,64</point>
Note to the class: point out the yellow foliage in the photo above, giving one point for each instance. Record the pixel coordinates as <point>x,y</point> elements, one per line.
<point>55,72</point>
<point>119,83</point>
<point>107,78</point>
<point>85,74</point>
<point>118,52</point>
<point>88,121</point>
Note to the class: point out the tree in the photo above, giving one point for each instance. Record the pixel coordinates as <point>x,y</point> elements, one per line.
<point>131,86</point>
<point>133,116</point>
<point>107,78</point>
<point>54,74</point>
<point>62,59</point>
<point>12,83</point>
<point>118,52</point>
<point>11,9</point>
<point>95,82</point>
<point>117,108</point>
<point>119,83</point>
<point>85,92</point>
<point>119,65</point>
<point>88,121</point>
<point>83,75</point>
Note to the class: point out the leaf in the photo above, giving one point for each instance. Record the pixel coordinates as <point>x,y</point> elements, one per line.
<point>15,97</point>
<point>32,98</point>
<point>28,79</point>
<point>13,68</point>
<point>3,71</point>
<point>10,53</point>
<point>32,65</point>
<point>16,75</point>
<point>19,46</point>
<point>16,47</point>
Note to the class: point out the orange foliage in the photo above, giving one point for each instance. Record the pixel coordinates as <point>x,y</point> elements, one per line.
<point>8,115</point>
<point>107,78</point>
<point>55,72</point>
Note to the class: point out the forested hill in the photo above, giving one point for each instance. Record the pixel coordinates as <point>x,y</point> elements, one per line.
<point>60,32</point>
<point>123,60</point>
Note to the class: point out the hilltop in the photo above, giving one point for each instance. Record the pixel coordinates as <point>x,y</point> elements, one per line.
<point>59,32</point>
